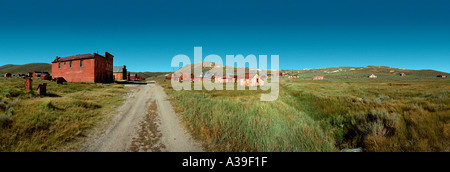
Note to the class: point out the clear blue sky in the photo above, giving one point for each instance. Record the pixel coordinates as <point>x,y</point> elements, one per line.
<point>145,35</point>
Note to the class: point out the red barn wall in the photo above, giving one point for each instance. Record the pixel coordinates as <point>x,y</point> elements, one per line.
<point>98,69</point>
<point>76,73</point>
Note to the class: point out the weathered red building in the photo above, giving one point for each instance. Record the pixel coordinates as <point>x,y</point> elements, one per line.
<point>84,68</point>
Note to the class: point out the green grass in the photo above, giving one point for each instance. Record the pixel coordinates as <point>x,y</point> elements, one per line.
<point>52,123</point>
<point>406,114</point>
<point>353,109</point>
<point>238,121</point>
<point>236,125</point>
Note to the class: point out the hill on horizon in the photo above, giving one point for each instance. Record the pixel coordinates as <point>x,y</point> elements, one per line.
<point>32,67</point>
<point>336,73</point>
<point>333,72</point>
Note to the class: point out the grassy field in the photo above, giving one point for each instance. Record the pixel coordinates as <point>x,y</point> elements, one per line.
<point>238,121</point>
<point>29,122</point>
<point>390,113</point>
<point>377,115</point>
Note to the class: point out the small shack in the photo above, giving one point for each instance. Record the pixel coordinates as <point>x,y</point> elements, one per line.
<point>42,89</point>
<point>402,74</point>
<point>442,76</point>
<point>372,76</point>
<point>318,77</point>
<point>7,75</point>
<point>135,77</point>
<point>225,79</point>
<point>185,76</point>
<point>46,77</point>
<point>250,79</point>
<point>120,73</point>
<point>39,74</point>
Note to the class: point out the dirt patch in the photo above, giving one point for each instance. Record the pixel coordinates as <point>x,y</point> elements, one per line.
<point>149,136</point>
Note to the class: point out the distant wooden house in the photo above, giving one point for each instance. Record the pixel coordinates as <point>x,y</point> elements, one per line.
<point>441,76</point>
<point>46,77</point>
<point>185,76</point>
<point>318,77</point>
<point>283,74</point>
<point>225,79</point>
<point>402,74</point>
<point>7,75</point>
<point>120,73</point>
<point>38,74</point>
<point>20,75</point>
<point>250,79</point>
<point>135,77</point>
<point>372,76</point>
<point>293,76</point>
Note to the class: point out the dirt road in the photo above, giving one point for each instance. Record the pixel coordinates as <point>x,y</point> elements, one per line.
<point>145,122</point>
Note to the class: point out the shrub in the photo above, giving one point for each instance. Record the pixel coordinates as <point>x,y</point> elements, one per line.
<point>11,111</point>
<point>5,120</point>
<point>86,105</point>
<point>2,104</point>
<point>376,123</point>
<point>48,105</point>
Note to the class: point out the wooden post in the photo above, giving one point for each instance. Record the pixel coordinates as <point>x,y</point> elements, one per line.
<point>28,84</point>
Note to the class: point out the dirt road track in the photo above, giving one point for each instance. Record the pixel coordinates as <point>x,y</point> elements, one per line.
<point>118,136</point>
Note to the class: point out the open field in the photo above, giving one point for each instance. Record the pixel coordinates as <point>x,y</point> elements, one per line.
<point>377,115</point>
<point>390,113</point>
<point>53,122</point>
<point>238,121</point>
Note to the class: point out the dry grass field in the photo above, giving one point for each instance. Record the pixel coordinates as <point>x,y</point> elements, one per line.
<point>29,122</point>
<point>346,110</point>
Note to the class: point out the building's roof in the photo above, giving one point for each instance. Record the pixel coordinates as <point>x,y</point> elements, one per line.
<point>118,69</point>
<point>75,57</point>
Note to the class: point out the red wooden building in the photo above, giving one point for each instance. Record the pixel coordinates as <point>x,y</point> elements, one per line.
<point>91,68</point>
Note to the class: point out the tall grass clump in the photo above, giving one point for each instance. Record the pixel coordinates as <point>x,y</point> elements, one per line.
<point>5,121</point>
<point>48,105</point>
<point>250,125</point>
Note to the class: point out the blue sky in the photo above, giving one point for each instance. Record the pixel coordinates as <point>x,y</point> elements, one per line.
<point>145,35</point>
